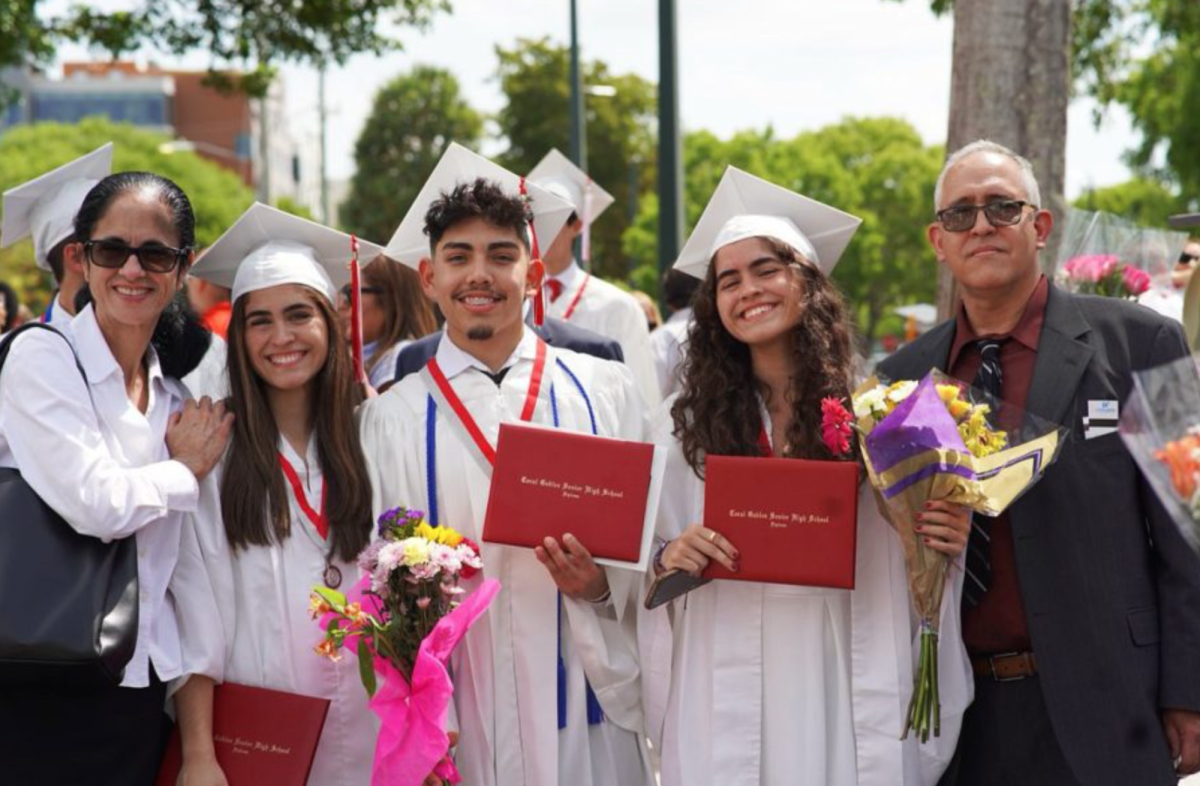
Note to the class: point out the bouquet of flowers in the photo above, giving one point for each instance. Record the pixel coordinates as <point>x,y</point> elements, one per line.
<point>1104,274</point>
<point>403,619</point>
<point>937,439</point>
<point>1160,425</point>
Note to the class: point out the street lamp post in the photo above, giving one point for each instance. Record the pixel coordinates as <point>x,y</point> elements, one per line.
<point>670,148</point>
<point>578,119</point>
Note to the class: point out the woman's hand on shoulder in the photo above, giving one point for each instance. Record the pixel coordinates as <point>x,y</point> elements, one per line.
<point>198,433</point>
<point>944,527</point>
<point>696,547</point>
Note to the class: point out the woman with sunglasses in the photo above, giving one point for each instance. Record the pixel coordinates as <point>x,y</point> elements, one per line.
<point>772,684</point>
<point>289,507</point>
<point>118,455</point>
<point>394,314</point>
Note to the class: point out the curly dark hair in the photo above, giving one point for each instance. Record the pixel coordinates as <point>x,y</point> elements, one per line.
<point>717,411</point>
<point>481,199</point>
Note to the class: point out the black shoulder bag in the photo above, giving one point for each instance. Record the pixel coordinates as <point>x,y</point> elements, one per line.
<point>68,602</point>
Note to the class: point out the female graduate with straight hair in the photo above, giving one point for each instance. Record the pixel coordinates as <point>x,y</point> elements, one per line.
<point>773,684</point>
<point>290,504</point>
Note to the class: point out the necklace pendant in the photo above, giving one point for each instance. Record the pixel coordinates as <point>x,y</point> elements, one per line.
<point>333,576</point>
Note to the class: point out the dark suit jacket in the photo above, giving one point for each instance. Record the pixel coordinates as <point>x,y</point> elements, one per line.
<point>554,332</point>
<point>1111,590</point>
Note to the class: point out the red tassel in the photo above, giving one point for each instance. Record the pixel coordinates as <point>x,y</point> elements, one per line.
<point>356,334</point>
<point>539,306</point>
<point>539,300</point>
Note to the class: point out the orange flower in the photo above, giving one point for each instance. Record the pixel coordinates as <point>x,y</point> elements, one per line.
<point>327,649</point>
<point>318,606</point>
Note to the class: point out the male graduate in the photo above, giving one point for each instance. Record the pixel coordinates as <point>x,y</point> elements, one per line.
<point>427,442</point>
<point>45,209</point>
<point>578,297</point>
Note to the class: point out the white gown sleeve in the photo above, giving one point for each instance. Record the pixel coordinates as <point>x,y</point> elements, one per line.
<point>202,587</point>
<point>47,418</point>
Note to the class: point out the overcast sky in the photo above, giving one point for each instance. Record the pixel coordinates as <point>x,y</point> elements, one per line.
<point>794,65</point>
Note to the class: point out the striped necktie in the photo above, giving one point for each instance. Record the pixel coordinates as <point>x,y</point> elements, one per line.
<point>979,545</point>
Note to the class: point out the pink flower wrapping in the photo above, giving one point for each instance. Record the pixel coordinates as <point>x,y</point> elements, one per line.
<point>412,738</point>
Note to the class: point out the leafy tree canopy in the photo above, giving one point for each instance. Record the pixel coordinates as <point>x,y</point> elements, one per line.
<point>250,34</point>
<point>218,196</point>
<point>1145,201</point>
<point>415,118</point>
<point>535,78</point>
<point>875,168</point>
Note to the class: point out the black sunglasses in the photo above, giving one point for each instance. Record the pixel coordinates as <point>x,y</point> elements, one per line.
<point>365,290</point>
<point>115,253</point>
<point>1000,213</point>
<point>1186,259</point>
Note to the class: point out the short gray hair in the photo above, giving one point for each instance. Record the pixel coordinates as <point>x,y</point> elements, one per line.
<point>1032,193</point>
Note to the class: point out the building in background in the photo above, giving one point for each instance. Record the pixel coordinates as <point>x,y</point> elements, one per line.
<point>274,154</point>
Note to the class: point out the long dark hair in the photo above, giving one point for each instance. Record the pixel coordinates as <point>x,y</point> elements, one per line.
<point>717,410</point>
<point>254,502</point>
<point>180,339</point>
<point>408,314</point>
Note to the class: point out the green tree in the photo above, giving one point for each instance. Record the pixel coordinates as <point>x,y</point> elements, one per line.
<point>250,34</point>
<point>218,196</point>
<point>534,77</point>
<point>875,168</point>
<point>415,118</point>
<point>1143,200</point>
<point>1145,55</point>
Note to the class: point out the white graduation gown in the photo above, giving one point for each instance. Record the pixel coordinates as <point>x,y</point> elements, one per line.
<point>209,378</point>
<point>244,619</point>
<point>612,312</point>
<point>505,701</point>
<point>771,685</point>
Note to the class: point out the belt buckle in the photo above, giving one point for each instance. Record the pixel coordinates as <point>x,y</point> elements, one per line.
<point>992,664</point>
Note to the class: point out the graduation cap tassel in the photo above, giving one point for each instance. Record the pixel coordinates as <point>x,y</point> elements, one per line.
<point>356,330</point>
<point>539,299</point>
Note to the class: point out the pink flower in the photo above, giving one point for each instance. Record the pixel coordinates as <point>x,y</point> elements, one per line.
<point>1090,268</point>
<point>1136,280</point>
<point>835,426</point>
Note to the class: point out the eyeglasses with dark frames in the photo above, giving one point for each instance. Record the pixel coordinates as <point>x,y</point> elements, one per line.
<point>999,213</point>
<point>1186,259</point>
<point>153,258</point>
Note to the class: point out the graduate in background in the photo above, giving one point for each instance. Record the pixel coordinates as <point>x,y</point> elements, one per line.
<point>289,505</point>
<point>519,726</point>
<point>773,685</point>
<point>574,294</point>
<point>45,209</point>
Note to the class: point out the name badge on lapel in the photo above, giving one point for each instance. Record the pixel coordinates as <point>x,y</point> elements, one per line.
<point>1102,418</point>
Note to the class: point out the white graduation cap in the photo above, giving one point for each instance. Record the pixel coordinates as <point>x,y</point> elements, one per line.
<point>558,174</point>
<point>268,247</point>
<point>458,165</point>
<point>45,208</point>
<point>746,206</point>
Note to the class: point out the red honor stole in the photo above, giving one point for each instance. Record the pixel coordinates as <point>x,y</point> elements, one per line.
<point>578,296</point>
<point>468,421</point>
<point>318,519</point>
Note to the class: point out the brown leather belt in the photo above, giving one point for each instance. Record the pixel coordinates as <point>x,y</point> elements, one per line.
<point>1005,666</point>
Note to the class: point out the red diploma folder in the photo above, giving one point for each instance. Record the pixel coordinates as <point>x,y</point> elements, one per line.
<point>792,521</point>
<point>261,737</point>
<point>550,482</point>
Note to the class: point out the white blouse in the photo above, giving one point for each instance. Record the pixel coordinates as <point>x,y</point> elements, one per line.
<point>102,465</point>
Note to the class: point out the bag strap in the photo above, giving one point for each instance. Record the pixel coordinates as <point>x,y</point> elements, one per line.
<point>10,338</point>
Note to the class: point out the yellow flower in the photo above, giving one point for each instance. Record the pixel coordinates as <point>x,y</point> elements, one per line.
<point>958,408</point>
<point>948,393</point>
<point>438,534</point>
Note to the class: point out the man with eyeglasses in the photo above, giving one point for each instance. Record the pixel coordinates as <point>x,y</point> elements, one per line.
<point>1083,620</point>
